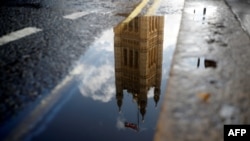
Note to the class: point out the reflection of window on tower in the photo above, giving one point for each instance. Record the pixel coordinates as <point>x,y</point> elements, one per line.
<point>136,59</point>
<point>155,54</point>
<point>130,24</point>
<point>150,24</point>
<point>152,55</point>
<point>125,57</point>
<point>149,57</point>
<point>155,23</point>
<point>125,27</point>
<point>153,58</point>
<point>136,24</point>
<point>130,58</point>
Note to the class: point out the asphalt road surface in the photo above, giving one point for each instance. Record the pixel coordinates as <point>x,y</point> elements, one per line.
<point>41,40</point>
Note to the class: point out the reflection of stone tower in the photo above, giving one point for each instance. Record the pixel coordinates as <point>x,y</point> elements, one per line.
<point>138,58</point>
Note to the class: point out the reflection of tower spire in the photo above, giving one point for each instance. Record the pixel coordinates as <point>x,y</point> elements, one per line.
<point>156,96</point>
<point>119,103</point>
<point>119,97</point>
<point>143,104</point>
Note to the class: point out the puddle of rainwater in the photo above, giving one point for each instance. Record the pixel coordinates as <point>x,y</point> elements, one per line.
<point>121,81</point>
<point>202,12</point>
<point>198,63</point>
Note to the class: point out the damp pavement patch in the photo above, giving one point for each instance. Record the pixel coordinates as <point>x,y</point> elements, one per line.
<point>199,102</point>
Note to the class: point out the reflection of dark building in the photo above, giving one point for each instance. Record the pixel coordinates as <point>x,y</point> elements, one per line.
<point>138,59</point>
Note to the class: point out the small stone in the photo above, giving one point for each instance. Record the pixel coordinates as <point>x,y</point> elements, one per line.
<point>217,32</point>
<point>227,111</point>
<point>210,40</point>
<point>223,44</point>
<point>204,96</point>
<point>220,25</point>
<point>25,56</point>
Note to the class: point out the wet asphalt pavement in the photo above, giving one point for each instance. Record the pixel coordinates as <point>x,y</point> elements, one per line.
<point>32,66</point>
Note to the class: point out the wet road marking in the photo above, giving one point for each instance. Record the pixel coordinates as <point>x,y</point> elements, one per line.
<point>16,35</point>
<point>136,11</point>
<point>153,8</point>
<point>76,15</point>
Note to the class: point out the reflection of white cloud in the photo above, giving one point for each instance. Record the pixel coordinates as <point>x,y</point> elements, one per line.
<point>98,83</point>
<point>151,92</point>
<point>77,70</point>
<point>105,39</point>
<point>96,69</point>
<point>120,123</point>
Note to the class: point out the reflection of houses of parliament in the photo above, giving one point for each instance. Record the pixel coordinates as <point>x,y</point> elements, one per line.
<point>138,59</point>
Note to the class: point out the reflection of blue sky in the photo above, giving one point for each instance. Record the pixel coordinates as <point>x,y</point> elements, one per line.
<point>93,120</point>
<point>169,42</point>
<point>120,123</point>
<point>96,69</point>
